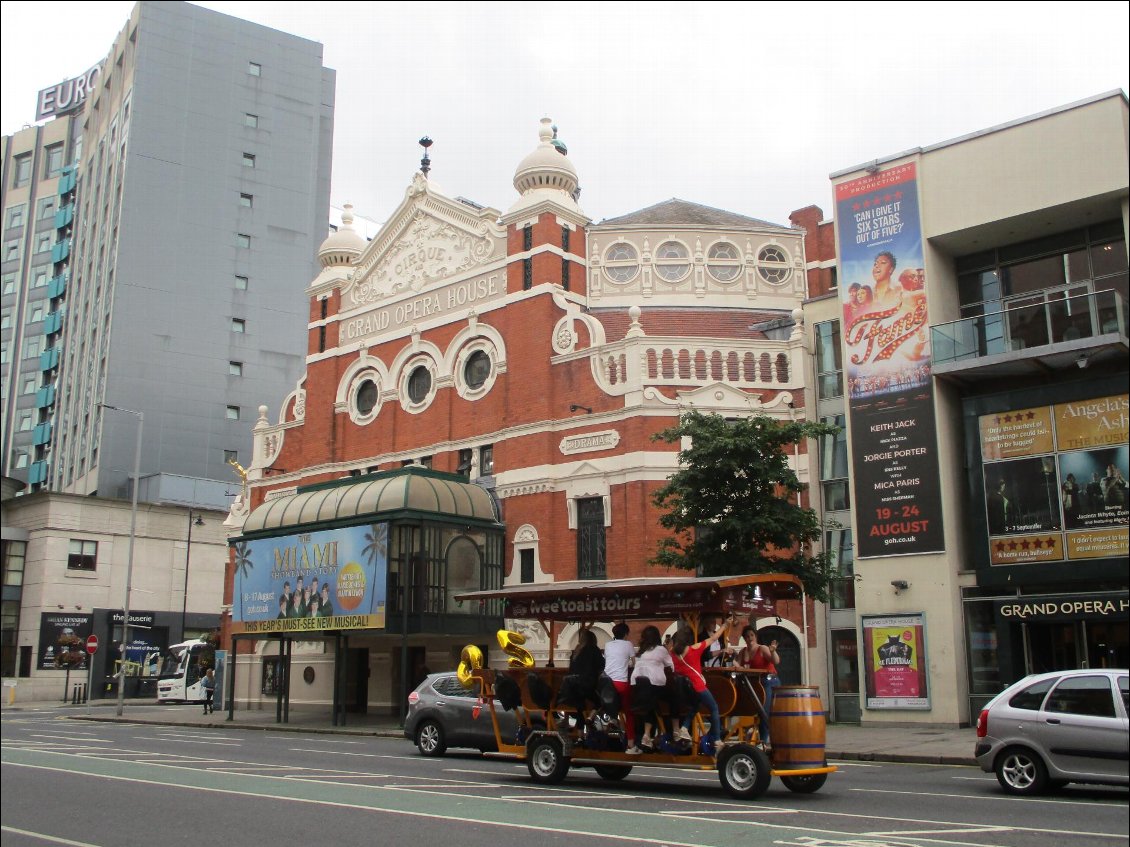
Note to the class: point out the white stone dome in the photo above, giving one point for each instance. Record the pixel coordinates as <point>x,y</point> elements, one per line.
<point>548,167</point>
<point>343,246</point>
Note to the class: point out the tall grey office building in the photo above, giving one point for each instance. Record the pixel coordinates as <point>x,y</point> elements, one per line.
<point>187,219</point>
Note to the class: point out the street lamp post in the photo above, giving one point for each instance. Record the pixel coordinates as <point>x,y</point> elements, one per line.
<point>132,538</point>
<point>187,554</point>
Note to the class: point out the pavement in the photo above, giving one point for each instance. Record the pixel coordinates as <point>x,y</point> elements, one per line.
<point>916,743</point>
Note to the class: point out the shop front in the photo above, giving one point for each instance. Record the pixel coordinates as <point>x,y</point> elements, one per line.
<point>343,593</point>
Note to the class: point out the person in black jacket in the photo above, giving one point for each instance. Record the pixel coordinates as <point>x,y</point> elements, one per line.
<point>586,663</point>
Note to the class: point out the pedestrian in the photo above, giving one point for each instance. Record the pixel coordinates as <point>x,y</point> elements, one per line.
<point>209,685</point>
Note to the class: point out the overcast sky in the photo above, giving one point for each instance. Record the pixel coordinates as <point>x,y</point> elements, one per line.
<point>743,106</point>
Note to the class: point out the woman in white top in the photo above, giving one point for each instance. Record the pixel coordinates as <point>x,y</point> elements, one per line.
<point>618,667</point>
<point>652,662</point>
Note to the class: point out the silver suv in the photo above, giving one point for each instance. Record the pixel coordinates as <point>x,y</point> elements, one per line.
<point>1053,728</point>
<point>442,713</point>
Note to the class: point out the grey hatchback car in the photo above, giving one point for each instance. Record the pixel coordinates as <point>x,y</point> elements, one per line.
<point>1053,728</point>
<point>442,714</point>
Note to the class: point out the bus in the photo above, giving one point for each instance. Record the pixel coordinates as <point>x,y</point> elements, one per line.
<point>180,671</point>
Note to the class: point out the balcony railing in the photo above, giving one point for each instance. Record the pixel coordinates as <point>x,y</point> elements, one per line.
<point>1028,324</point>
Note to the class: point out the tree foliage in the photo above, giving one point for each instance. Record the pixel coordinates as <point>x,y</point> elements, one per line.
<point>732,505</point>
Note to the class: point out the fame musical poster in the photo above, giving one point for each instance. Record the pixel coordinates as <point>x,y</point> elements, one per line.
<point>895,650</point>
<point>886,337</point>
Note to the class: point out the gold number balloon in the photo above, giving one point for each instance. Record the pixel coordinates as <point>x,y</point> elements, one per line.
<point>511,644</point>
<point>471,659</point>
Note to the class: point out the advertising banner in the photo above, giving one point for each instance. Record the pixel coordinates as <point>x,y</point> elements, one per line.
<point>886,336</point>
<point>895,649</point>
<point>333,579</point>
<point>62,640</point>
<point>1055,481</point>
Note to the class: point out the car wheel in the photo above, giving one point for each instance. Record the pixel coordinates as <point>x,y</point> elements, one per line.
<point>430,739</point>
<point>744,771</point>
<point>1020,771</point>
<point>546,761</point>
<point>613,773</point>
<point>808,784</point>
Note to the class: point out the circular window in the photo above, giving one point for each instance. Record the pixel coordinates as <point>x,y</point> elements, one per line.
<point>621,264</point>
<point>366,397</point>
<point>477,370</point>
<point>419,384</point>
<point>724,262</point>
<point>773,265</point>
<point>672,261</point>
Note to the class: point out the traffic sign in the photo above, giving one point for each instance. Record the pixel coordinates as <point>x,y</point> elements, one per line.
<point>92,644</point>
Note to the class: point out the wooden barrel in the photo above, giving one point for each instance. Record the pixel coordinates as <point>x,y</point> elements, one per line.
<point>796,727</point>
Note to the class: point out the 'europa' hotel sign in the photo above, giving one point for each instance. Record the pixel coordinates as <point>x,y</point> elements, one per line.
<point>67,96</point>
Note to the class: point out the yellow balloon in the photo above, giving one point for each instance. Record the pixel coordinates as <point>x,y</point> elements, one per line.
<point>511,644</point>
<point>471,659</point>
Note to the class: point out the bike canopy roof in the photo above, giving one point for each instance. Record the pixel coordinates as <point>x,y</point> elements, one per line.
<point>642,598</point>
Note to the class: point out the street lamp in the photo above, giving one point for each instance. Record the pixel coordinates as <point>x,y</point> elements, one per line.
<point>132,537</point>
<point>187,553</point>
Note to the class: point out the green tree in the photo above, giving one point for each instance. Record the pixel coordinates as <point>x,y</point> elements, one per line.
<point>732,506</point>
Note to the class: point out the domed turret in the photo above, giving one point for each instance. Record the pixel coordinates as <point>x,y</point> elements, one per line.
<point>343,246</point>
<point>547,173</point>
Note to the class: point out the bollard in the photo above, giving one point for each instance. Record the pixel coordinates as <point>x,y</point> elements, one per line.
<point>84,693</point>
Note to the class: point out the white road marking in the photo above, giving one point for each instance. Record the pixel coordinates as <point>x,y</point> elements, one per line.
<point>996,797</point>
<point>42,836</point>
<point>348,753</point>
<point>60,737</point>
<point>189,741</point>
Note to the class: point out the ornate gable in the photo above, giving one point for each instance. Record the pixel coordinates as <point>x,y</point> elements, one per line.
<point>430,240</point>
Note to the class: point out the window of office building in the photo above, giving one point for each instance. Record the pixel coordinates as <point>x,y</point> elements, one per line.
<point>486,460</point>
<point>834,466</point>
<point>238,325</point>
<point>11,250</point>
<point>254,69</point>
<point>231,456</point>
<point>1058,288</point>
<point>9,283</point>
<point>247,201</point>
<point>842,590</point>
<point>249,160</point>
<point>21,170</point>
<point>243,241</point>
<point>240,283</point>
<point>43,244</point>
<point>15,553</point>
<point>82,555</point>
<point>251,120</point>
<point>233,413</point>
<point>829,366</point>
<point>46,209</point>
<point>235,368</point>
<point>15,216</point>
<point>52,161</point>
<point>591,551</point>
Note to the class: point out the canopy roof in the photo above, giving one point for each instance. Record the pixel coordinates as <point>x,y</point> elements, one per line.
<point>405,492</point>
<point>640,598</point>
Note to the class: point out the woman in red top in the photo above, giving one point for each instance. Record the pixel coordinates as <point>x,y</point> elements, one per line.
<point>688,662</point>
<point>761,657</point>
